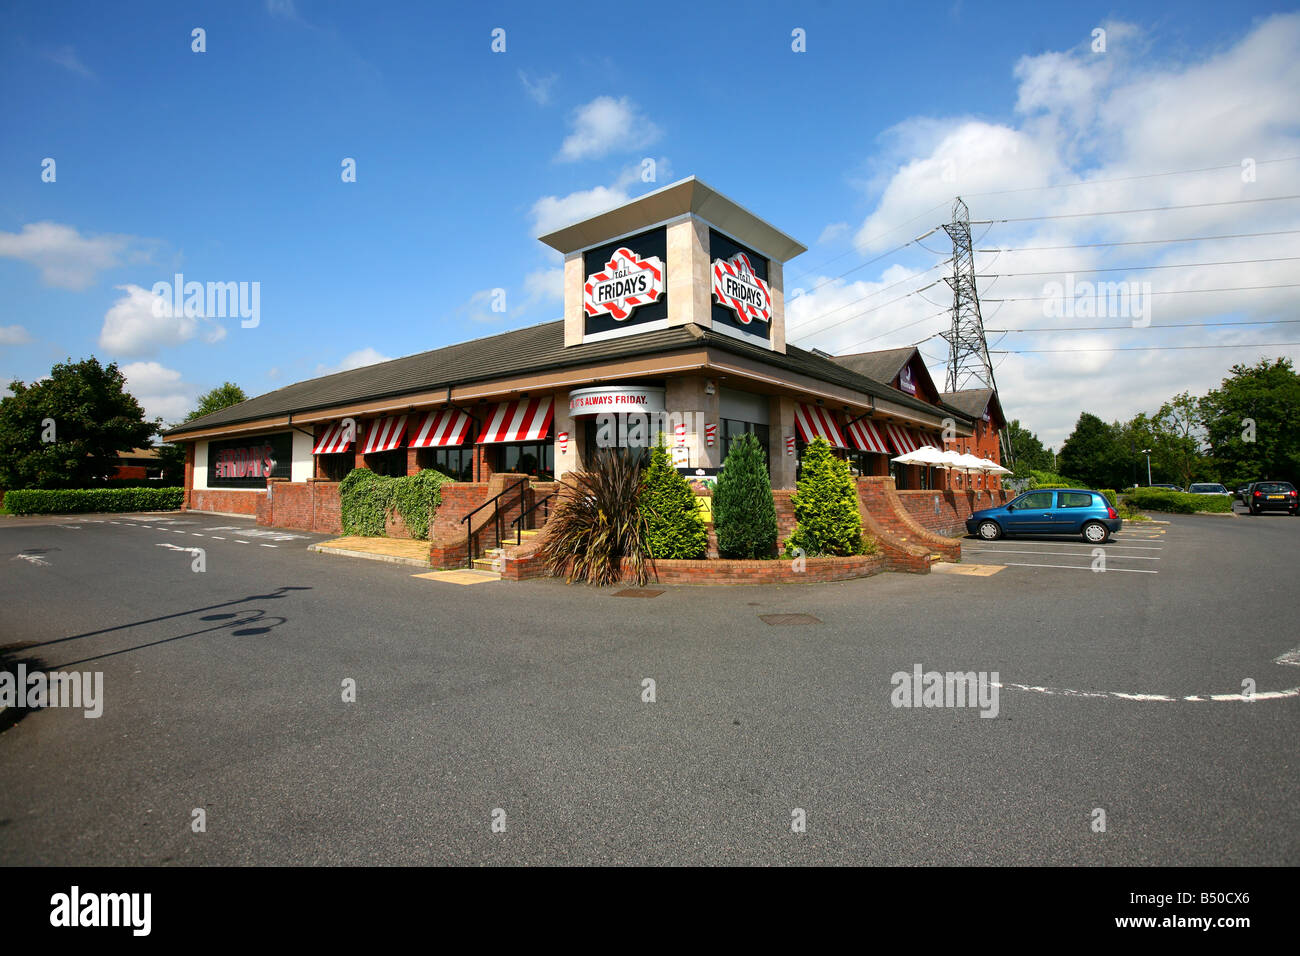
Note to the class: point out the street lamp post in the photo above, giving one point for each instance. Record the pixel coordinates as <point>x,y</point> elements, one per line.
<point>1147,452</point>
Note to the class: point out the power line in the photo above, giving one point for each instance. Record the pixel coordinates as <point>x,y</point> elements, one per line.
<point>1230,288</point>
<point>1154,348</point>
<point>882,235</point>
<point>1121,212</point>
<point>910,278</point>
<point>1129,179</point>
<point>874,308</point>
<point>1143,242</point>
<point>1147,328</point>
<point>1180,265</point>
<point>900,328</point>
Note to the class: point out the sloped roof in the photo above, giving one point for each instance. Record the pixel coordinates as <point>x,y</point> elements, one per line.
<point>972,401</point>
<point>881,366</point>
<point>529,350</point>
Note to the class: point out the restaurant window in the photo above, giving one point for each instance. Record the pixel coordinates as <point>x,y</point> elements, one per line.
<point>733,429</point>
<point>536,459</point>
<point>391,464</point>
<point>633,431</point>
<point>456,461</point>
<point>336,467</point>
<point>899,474</point>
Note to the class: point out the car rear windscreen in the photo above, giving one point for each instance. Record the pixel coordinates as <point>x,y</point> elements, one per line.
<point>1273,487</point>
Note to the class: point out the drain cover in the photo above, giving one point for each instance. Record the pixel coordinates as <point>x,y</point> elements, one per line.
<point>638,592</point>
<point>788,620</point>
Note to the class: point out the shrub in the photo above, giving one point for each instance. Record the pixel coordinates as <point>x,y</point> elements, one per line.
<point>87,500</point>
<point>596,525</point>
<point>744,515</point>
<point>674,528</point>
<point>366,500</point>
<point>1176,502</point>
<point>825,505</point>
<point>1110,496</point>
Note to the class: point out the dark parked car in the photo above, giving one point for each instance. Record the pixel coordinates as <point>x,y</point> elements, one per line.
<point>1272,496</point>
<point>1064,511</point>
<point>1242,493</point>
<point>1167,487</point>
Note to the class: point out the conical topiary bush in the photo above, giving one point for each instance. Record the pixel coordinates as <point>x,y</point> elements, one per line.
<point>744,515</point>
<point>825,505</point>
<point>674,528</point>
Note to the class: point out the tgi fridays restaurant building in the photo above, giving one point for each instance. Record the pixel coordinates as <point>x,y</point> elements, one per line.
<point>674,319</point>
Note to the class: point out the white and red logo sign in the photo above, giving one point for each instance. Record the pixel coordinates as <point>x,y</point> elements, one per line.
<point>564,442</point>
<point>681,434</point>
<point>710,433</point>
<point>626,282</point>
<point>789,444</point>
<point>907,380</point>
<point>736,287</point>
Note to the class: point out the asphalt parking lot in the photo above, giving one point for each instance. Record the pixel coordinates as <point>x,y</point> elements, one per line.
<point>1170,701</point>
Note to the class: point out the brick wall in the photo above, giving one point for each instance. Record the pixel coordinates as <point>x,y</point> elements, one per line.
<point>303,505</point>
<point>945,512</point>
<point>726,571</point>
<point>231,502</point>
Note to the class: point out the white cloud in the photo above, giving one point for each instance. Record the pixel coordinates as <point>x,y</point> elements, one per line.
<point>607,125</point>
<point>140,323</point>
<point>66,57</point>
<point>358,359</point>
<point>554,212</point>
<point>159,390</point>
<point>14,335</point>
<point>1077,115</point>
<point>539,89</point>
<point>66,258</point>
<point>283,9</point>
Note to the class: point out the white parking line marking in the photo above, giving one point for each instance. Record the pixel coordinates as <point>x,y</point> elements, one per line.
<point>1064,554</point>
<point>1001,545</point>
<point>1159,698</point>
<point>237,541</point>
<point>1290,657</point>
<point>196,534</point>
<point>1072,567</point>
<point>270,546</point>
<point>217,538</point>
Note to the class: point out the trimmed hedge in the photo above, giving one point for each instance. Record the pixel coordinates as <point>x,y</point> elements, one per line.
<point>55,501</point>
<point>1111,496</point>
<point>1177,502</point>
<point>366,500</point>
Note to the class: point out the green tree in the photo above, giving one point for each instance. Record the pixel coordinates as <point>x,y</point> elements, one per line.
<point>171,455</point>
<point>744,515</point>
<point>1029,451</point>
<point>825,505</point>
<point>1251,424</point>
<point>65,431</point>
<point>1092,455</point>
<point>674,528</point>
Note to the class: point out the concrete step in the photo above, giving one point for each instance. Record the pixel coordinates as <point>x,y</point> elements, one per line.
<point>486,564</point>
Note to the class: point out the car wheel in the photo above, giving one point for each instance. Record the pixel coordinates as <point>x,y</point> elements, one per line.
<point>1094,532</point>
<point>990,530</point>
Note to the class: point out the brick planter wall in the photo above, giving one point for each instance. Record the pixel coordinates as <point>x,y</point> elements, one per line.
<point>777,571</point>
<point>906,545</point>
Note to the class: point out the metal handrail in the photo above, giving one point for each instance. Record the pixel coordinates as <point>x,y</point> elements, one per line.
<point>469,529</point>
<point>517,524</point>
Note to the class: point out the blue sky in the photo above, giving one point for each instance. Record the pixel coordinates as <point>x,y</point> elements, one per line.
<point>225,165</point>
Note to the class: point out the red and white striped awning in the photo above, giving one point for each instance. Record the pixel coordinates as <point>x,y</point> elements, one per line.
<point>385,434</point>
<point>934,441</point>
<point>447,426</point>
<point>528,419</point>
<point>903,439</point>
<point>336,438</point>
<point>866,437</point>
<point>813,422</point>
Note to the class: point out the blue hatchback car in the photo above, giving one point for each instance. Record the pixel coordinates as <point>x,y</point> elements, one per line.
<point>1058,511</point>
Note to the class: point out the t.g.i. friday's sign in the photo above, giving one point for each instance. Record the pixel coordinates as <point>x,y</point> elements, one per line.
<point>736,287</point>
<point>626,282</point>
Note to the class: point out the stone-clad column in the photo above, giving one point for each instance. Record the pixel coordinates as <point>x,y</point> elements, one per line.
<point>781,427</point>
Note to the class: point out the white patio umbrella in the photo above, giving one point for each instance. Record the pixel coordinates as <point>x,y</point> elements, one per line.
<point>925,455</point>
<point>993,468</point>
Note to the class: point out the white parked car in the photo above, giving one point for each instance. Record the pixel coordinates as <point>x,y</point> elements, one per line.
<point>1209,488</point>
